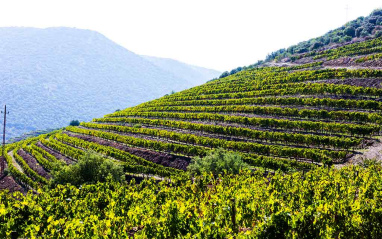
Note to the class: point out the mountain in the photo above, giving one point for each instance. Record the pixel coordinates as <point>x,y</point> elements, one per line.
<point>197,75</point>
<point>52,76</point>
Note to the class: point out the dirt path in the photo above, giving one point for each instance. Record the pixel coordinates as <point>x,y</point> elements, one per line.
<point>326,65</point>
<point>371,152</point>
<point>14,162</point>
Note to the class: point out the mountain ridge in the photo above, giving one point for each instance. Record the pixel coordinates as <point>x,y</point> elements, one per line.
<point>68,68</point>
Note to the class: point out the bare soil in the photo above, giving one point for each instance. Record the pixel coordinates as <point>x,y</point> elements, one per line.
<point>8,183</point>
<point>372,82</point>
<point>167,160</point>
<point>33,164</point>
<point>372,152</point>
<point>55,153</point>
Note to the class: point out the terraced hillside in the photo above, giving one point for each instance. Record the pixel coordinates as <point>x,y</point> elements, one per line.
<point>296,117</point>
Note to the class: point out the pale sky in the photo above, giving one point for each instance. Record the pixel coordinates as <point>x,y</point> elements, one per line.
<point>216,34</point>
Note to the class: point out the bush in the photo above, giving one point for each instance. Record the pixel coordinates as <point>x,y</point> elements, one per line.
<point>365,33</point>
<point>378,34</point>
<point>358,31</point>
<point>367,163</point>
<point>91,168</point>
<point>347,38</point>
<point>218,161</point>
<point>379,21</point>
<point>74,123</point>
<point>316,45</point>
<point>6,172</point>
<point>224,74</point>
<point>349,31</point>
<point>335,39</point>
<point>376,12</point>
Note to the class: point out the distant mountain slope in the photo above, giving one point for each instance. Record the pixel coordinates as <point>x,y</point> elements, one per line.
<point>51,76</point>
<point>195,74</point>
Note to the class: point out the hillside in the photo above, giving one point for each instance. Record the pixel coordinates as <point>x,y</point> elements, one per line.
<point>298,117</point>
<point>309,127</point>
<point>360,29</point>
<point>52,76</point>
<point>195,74</point>
<point>352,33</point>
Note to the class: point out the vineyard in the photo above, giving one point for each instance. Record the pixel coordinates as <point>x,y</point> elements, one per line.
<point>318,204</point>
<point>300,127</point>
<point>276,118</point>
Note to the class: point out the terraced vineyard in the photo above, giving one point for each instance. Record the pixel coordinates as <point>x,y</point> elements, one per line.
<point>301,122</point>
<point>291,118</point>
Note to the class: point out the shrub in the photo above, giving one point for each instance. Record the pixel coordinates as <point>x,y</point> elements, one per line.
<point>349,31</point>
<point>347,38</point>
<point>91,168</point>
<point>364,33</point>
<point>378,34</point>
<point>218,161</point>
<point>224,74</point>
<point>366,163</point>
<point>358,31</point>
<point>376,12</point>
<point>316,45</point>
<point>335,39</point>
<point>6,172</point>
<point>74,123</point>
<point>379,21</point>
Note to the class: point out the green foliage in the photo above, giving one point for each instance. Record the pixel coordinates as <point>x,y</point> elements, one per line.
<point>361,27</point>
<point>91,168</point>
<point>137,126</point>
<point>366,162</point>
<point>6,172</point>
<point>74,123</point>
<point>324,203</point>
<point>347,38</point>
<point>349,31</point>
<point>316,45</point>
<point>217,161</point>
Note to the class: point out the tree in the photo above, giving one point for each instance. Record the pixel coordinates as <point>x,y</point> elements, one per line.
<point>74,123</point>
<point>216,162</point>
<point>91,168</point>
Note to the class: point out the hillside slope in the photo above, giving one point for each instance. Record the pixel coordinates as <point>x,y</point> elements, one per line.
<point>294,122</point>
<point>195,74</point>
<point>51,76</point>
<point>297,117</point>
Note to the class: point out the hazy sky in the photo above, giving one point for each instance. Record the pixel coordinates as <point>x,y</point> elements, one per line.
<point>215,34</point>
